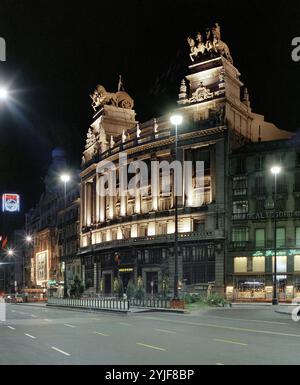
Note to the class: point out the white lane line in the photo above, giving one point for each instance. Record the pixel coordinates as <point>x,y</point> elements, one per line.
<point>30,336</point>
<point>219,364</point>
<point>250,320</point>
<point>13,311</point>
<point>165,331</point>
<point>230,342</point>
<point>124,323</point>
<point>151,346</point>
<point>70,326</point>
<point>60,351</point>
<point>47,319</point>
<point>33,316</point>
<point>101,334</point>
<point>268,332</point>
<point>10,327</point>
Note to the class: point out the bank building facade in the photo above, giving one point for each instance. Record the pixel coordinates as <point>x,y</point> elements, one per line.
<point>132,236</point>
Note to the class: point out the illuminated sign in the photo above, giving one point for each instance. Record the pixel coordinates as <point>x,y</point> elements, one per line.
<point>126,270</point>
<point>41,267</point>
<point>10,203</point>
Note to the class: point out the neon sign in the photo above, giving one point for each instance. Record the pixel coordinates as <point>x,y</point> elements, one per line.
<point>10,203</point>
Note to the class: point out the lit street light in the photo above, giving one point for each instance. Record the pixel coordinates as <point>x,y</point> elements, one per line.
<point>176,120</point>
<point>3,93</point>
<point>28,238</point>
<point>275,170</point>
<point>10,252</point>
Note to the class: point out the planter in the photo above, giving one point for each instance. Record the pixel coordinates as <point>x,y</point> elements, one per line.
<point>177,304</point>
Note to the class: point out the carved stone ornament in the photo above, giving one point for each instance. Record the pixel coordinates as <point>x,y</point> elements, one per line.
<point>213,46</point>
<point>90,138</point>
<point>101,97</point>
<point>202,93</point>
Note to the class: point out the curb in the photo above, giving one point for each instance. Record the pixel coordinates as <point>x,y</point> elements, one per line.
<point>88,310</point>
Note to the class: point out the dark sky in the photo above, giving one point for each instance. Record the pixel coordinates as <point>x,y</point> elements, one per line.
<point>57,51</point>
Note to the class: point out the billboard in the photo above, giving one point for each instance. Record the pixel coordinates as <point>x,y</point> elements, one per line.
<point>10,202</point>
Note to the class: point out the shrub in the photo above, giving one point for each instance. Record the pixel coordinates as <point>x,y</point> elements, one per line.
<point>77,288</point>
<point>216,299</point>
<point>131,290</point>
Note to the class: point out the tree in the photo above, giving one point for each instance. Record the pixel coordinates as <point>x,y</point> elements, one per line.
<point>77,288</point>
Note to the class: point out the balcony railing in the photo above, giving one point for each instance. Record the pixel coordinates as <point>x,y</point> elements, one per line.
<point>192,236</point>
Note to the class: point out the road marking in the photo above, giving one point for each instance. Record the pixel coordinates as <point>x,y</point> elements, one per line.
<point>151,347</point>
<point>70,326</point>
<point>48,320</point>
<point>219,364</point>
<point>250,320</point>
<point>10,327</point>
<point>60,351</point>
<point>230,342</point>
<point>30,336</point>
<point>125,324</point>
<point>225,327</point>
<point>102,334</point>
<point>13,311</point>
<point>33,316</point>
<point>165,331</point>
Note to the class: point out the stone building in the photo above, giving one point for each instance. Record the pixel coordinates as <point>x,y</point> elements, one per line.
<point>45,223</point>
<point>132,235</point>
<point>250,265</point>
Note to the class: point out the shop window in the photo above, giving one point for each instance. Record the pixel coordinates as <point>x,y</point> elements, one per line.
<point>260,238</point>
<point>281,264</point>
<point>258,264</point>
<point>240,265</point>
<point>297,263</point>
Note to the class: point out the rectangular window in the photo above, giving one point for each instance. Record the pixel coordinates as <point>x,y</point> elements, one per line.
<point>280,237</point>
<point>240,265</point>
<point>258,264</point>
<point>240,234</point>
<point>281,264</point>
<point>297,263</point>
<point>297,236</point>
<point>239,185</point>
<point>260,238</point>
<point>240,207</point>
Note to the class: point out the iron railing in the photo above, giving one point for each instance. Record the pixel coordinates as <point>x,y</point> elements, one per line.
<point>150,302</point>
<point>92,304</point>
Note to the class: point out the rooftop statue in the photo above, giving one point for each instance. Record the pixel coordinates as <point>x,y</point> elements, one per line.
<point>213,46</point>
<point>100,97</point>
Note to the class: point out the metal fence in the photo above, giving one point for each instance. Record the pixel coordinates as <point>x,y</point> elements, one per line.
<point>150,302</point>
<point>93,303</point>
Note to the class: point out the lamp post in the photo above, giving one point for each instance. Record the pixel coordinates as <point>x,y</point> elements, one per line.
<point>275,170</point>
<point>28,240</point>
<point>176,120</point>
<point>65,178</point>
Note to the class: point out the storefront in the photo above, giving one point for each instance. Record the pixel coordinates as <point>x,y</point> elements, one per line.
<point>252,278</point>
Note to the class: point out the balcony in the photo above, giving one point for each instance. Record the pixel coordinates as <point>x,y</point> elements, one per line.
<point>154,239</point>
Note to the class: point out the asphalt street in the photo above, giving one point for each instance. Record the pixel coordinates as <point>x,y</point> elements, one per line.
<point>244,335</point>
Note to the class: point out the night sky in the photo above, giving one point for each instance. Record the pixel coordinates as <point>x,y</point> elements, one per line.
<point>58,51</point>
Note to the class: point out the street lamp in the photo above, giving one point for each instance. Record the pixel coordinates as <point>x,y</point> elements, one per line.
<point>3,93</point>
<point>275,170</point>
<point>65,178</point>
<point>10,252</point>
<point>176,120</point>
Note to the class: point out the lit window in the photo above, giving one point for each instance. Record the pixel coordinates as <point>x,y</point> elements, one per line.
<point>258,264</point>
<point>240,265</point>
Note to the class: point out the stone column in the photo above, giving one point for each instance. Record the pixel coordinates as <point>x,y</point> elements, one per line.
<point>155,189</point>
<point>97,199</point>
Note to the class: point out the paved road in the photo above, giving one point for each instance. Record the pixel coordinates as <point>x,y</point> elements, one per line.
<point>40,335</point>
